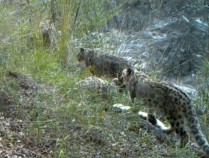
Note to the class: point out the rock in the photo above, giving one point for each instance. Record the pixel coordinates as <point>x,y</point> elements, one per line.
<point>25,81</point>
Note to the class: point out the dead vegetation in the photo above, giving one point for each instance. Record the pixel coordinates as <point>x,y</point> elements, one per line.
<point>31,127</point>
<point>43,113</point>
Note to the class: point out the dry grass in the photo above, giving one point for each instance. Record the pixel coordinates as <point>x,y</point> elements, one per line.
<point>56,119</point>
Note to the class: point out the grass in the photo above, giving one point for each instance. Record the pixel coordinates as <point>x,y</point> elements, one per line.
<point>59,120</point>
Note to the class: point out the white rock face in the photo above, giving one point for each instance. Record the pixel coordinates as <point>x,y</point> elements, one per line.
<point>188,90</point>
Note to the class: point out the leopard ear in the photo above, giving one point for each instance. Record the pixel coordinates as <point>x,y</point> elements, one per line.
<point>81,50</point>
<point>129,71</point>
<point>80,55</point>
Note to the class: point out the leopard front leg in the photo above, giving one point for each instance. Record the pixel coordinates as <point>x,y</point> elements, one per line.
<point>132,95</point>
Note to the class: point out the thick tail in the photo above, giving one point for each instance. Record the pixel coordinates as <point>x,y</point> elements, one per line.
<point>154,121</point>
<point>195,129</point>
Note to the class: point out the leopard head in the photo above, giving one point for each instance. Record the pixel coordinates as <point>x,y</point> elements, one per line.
<point>81,55</point>
<point>124,78</point>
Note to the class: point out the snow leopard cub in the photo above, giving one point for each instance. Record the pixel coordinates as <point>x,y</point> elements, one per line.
<point>169,101</point>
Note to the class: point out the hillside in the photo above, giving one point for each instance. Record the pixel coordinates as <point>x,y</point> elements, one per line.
<point>44,113</point>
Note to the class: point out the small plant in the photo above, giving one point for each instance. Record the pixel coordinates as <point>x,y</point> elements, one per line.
<point>203,79</point>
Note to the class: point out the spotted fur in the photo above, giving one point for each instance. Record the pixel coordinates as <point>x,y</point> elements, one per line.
<point>168,100</point>
<point>99,86</point>
<point>104,64</point>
